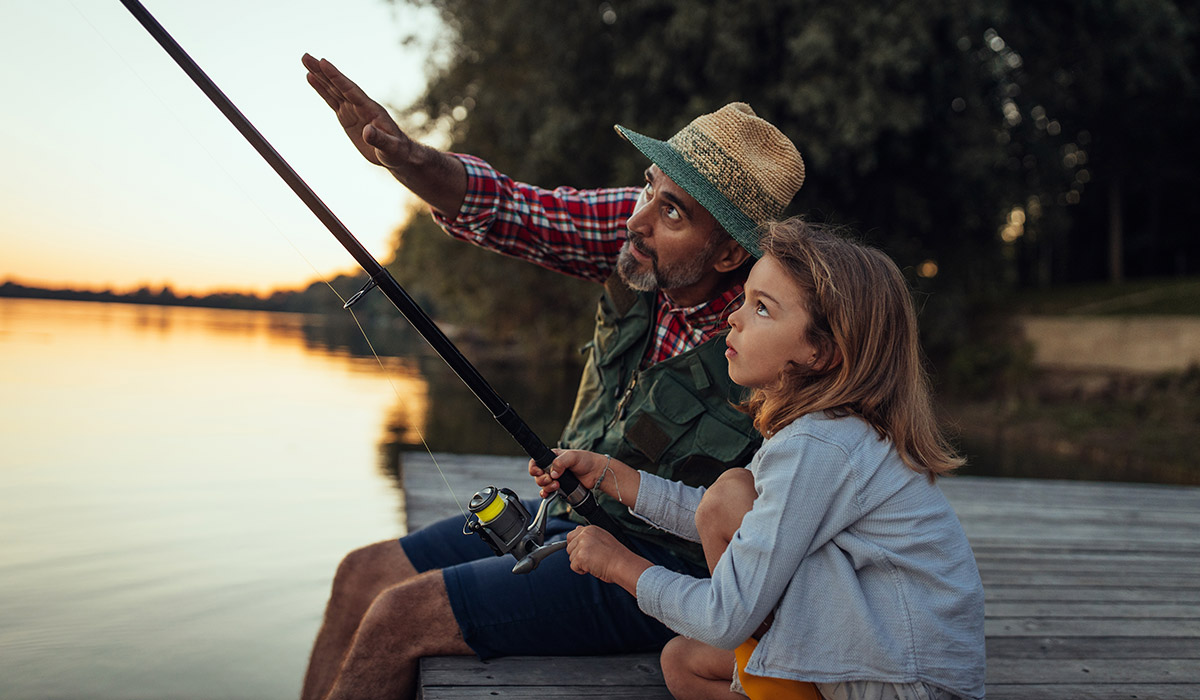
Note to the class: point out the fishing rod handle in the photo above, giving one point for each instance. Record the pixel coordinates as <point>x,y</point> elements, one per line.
<point>576,494</point>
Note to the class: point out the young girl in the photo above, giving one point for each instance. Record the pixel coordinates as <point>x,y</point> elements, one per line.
<point>839,570</point>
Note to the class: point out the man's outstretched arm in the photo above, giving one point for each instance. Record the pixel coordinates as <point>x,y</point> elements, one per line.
<point>437,178</point>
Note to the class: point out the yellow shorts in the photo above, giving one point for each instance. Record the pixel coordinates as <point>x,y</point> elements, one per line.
<point>764,687</point>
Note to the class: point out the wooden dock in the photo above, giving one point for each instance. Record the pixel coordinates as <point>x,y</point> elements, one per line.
<point>1092,590</point>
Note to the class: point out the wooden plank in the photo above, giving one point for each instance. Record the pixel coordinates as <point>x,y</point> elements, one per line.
<point>620,669</point>
<point>1107,516</point>
<point>545,693</point>
<point>1092,590</point>
<point>1083,627</point>
<point>974,491</point>
<point>1074,609</point>
<point>1099,534</point>
<point>432,483</point>
<point>1098,647</point>
<point>1146,568</point>
<point>1087,594</point>
<point>617,677</point>
<point>1091,691</point>
<point>1089,578</point>
<point>1093,671</point>
<point>984,546</point>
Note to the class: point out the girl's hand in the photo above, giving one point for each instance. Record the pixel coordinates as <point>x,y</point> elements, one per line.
<point>594,551</point>
<point>587,467</point>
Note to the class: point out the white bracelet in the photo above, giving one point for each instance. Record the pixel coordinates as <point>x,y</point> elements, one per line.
<point>603,472</point>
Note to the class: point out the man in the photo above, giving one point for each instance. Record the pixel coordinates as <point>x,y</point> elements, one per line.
<point>655,394</point>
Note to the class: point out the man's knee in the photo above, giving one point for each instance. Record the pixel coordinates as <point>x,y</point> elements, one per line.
<point>416,615</point>
<point>725,503</point>
<point>369,570</point>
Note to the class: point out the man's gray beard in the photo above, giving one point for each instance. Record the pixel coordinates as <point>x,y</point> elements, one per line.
<point>638,278</point>
<point>649,279</point>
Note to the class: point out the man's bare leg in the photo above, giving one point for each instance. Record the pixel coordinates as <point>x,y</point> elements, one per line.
<point>404,623</point>
<point>361,577</point>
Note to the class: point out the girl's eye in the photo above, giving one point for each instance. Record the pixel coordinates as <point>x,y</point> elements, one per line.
<point>761,310</point>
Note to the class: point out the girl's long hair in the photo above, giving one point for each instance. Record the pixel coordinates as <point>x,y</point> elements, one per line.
<point>869,357</point>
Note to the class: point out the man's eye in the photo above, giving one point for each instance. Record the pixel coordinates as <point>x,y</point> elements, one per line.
<point>672,213</point>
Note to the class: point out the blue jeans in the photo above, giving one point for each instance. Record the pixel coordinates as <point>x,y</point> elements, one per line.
<point>551,610</point>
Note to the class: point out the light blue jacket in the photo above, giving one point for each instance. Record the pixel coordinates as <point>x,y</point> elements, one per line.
<point>862,560</point>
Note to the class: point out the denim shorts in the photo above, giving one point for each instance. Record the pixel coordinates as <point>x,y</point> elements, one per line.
<point>551,610</point>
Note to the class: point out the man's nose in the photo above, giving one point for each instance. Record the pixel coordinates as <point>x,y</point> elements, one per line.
<point>639,221</point>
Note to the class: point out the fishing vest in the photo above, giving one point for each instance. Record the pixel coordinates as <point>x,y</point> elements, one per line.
<point>675,419</point>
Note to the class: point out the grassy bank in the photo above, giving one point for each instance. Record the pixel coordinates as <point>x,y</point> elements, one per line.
<point>1178,296</point>
<point>1086,425</point>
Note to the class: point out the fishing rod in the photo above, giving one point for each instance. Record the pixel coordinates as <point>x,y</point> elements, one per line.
<point>497,514</point>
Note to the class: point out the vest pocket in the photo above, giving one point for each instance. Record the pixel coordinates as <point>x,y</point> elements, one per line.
<point>675,428</point>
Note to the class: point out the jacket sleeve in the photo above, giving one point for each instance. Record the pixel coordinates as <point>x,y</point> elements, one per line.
<point>807,495</point>
<point>669,505</point>
<point>575,232</point>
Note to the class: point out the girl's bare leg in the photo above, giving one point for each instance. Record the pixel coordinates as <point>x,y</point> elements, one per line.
<point>696,670</point>
<point>720,514</point>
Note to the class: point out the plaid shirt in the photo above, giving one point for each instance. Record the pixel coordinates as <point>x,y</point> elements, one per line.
<point>577,233</point>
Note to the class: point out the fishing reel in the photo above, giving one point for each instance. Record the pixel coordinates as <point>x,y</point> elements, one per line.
<point>499,517</point>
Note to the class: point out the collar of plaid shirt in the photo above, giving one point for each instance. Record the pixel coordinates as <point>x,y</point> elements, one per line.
<point>681,328</point>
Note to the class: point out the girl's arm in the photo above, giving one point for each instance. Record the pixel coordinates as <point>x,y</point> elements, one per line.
<point>615,478</point>
<point>594,551</point>
<point>807,496</point>
<point>665,504</point>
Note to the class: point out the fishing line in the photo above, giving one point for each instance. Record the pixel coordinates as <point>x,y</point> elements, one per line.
<point>580,498</point>
<point>278,230</point>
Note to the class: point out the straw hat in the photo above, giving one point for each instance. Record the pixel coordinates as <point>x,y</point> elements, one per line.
<point>738,166</point>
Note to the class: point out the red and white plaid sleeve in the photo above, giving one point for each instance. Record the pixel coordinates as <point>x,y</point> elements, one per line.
<point>575,232</point>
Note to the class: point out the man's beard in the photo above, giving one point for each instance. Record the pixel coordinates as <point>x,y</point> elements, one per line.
<point>648,279</point>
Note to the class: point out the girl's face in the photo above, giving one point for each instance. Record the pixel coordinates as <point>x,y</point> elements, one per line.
<point>768,331</point>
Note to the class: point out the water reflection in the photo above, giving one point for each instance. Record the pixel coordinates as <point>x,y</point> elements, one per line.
<point>176,488</point>
<point>177,485</point>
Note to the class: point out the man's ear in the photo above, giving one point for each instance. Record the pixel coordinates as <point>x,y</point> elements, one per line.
<point>730,256</point>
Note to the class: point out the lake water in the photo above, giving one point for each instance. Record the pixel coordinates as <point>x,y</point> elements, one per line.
<point>177,486</point>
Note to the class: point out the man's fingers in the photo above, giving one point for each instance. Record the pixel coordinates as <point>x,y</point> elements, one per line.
<point>344,86</point>
<point>323,91</point>
<point>315,71</point>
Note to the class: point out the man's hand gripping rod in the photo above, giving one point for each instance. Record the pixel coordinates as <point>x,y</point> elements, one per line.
<point>580,498</point>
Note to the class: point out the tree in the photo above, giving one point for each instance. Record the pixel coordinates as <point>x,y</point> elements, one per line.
<point>920,123</point>
<point>1106,98</point>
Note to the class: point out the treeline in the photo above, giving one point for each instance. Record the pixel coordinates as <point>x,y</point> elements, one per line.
<point>316,298</point>
<point>989,146</point>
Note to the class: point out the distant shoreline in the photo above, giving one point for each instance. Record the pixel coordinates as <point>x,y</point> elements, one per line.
<point>277,301</point>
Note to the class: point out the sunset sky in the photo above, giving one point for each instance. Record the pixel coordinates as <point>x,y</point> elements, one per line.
<point>118,172</point>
